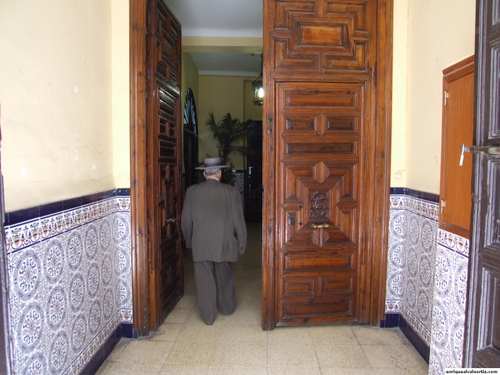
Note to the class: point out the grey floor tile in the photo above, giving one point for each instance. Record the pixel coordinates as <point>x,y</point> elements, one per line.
<point>342,356</point>
<point>237,345</point>
<point>392,356</point>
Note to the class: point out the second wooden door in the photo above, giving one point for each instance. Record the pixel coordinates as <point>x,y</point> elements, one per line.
<point>326,147</point>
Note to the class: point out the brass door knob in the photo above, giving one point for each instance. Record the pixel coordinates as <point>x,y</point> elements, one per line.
<point>319,226</point>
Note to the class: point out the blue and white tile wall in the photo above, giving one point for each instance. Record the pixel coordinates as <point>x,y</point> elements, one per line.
<point>411,257</point>
<point>427,272</point>
<point>450,295</point>
<point>69,285</point>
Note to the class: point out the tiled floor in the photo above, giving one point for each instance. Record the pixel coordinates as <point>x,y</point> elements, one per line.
<point>237,345</point>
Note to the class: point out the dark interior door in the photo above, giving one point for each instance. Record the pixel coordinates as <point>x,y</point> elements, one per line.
<point>326,176</point>
<point>253,173</point>
<point>163,156</point>
<point>482,347</point>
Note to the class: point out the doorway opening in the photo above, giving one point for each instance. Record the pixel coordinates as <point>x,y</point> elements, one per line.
<point>307,107</point>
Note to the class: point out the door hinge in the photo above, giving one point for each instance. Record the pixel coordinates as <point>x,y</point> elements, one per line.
<point>443,205</point>
<point>445,98</point>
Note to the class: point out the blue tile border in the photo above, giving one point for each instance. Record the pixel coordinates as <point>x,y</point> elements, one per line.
<point>414,339</point>
<point>15,217</point>
<point>23,215</point>
<point>128,331</point>
<point>398,191</point>
<point>103,353</point>
<point>434,198</point>
<point>390,321</point>
<point>124,192</point>
<point>397,320</point>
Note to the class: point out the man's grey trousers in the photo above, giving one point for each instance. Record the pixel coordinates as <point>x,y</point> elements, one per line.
<point>214,282</point>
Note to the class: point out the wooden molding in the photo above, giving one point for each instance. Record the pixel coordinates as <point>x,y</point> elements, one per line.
<point>138,211</point>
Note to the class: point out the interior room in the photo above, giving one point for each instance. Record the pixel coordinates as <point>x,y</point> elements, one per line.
<point>76,292</point>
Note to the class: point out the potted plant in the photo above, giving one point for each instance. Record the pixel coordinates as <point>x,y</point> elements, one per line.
<point>230,134</point>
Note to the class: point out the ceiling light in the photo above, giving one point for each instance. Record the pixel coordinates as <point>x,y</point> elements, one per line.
<point>258,88</point>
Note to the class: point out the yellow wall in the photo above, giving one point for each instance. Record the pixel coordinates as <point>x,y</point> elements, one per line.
<point>56,86</point>
<point>399,83</point>
<point>121,92</point>
<point>65,105</point>
<point>220,95</point>
<point>440,33</point>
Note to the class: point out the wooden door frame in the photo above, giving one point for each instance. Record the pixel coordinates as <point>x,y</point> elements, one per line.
<point>5,348</point>
<point>483,273</point>
<point>374,287</point>
<point>138,177</point>
<point>138,168</point>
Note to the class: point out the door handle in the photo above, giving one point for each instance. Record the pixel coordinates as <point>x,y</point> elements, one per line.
<point>319,226</point>
<point>172,220</point>
<point>488,150</point>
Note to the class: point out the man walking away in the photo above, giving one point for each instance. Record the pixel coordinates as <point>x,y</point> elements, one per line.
<point>214,228</point>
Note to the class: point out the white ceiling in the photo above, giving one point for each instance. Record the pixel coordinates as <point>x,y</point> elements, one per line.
<point>221,18</point>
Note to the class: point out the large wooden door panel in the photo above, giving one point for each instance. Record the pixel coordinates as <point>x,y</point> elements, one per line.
<point>322,36</point>
<point>155,141</point>
<point>320,133</point>
<point>325,150</point>
<point>164,160</point>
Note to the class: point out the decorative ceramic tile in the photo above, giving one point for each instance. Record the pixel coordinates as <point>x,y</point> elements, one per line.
<point>448,314</point>
<point>410,266</point>
<point>454,242</point>
<point>69,285</point>
<point>427,273</point>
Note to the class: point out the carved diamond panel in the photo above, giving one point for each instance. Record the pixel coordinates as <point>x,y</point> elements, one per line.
<point>319,193</point>
<point>321,37</point>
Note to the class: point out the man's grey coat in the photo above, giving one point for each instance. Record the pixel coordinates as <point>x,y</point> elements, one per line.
<point>212,222</point>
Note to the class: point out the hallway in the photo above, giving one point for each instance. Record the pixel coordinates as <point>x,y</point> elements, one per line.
<point>237,345</point>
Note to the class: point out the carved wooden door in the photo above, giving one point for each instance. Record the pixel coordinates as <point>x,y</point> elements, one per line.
<point>164,126</point>
<point>482,339</point>
<point>326,146</point>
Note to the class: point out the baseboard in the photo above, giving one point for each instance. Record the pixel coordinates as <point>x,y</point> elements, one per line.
<point>103,353</point>
<point>128,331</point>
<point>396,320</point>
<point>414,339</point>
<point>390,321</point>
